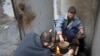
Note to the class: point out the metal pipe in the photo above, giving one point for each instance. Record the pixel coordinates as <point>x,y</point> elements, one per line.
<point>20,29</point>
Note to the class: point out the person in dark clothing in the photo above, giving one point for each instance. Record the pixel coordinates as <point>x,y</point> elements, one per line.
<point>35,45</point>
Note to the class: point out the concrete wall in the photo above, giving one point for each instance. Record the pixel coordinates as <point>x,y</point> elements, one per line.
<point>86,10</point>
<point>96,39</point>
<point>43,9</point>
<point>9,33</point>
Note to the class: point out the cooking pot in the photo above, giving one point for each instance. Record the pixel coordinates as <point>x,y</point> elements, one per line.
<point>63,47</point>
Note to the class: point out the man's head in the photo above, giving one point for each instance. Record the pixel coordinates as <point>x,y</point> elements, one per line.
<point>71,12</point>
<point>46,38</point>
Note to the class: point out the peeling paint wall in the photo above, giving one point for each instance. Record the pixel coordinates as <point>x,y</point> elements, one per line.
<point>43,9</point>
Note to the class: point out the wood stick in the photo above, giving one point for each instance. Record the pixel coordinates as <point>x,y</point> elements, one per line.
<point>76,51</point>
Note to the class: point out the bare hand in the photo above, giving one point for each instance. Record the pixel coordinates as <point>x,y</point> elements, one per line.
<point>61,38</point>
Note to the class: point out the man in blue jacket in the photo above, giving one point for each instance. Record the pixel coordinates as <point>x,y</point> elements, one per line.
<point>69,25</point>
<point>35,45</point>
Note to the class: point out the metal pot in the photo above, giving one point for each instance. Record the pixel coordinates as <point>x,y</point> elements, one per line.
<point>63,47</point>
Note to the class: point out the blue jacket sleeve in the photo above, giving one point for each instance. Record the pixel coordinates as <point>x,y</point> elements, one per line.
<point>79,23</point>
<point>59,23</point>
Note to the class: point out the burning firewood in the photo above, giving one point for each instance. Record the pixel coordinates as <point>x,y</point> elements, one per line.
<point>58,51</point>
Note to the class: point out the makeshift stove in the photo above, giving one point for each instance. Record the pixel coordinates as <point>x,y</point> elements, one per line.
<point>60,49</point>
<point>57,52</point>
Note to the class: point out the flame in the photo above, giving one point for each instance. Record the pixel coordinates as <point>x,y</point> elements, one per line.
<point>58,52</point>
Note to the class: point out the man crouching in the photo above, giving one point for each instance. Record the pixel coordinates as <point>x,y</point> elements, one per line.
<point>35,45</point>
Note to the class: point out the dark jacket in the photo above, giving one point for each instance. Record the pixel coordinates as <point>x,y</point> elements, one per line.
<point>31,46</point>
